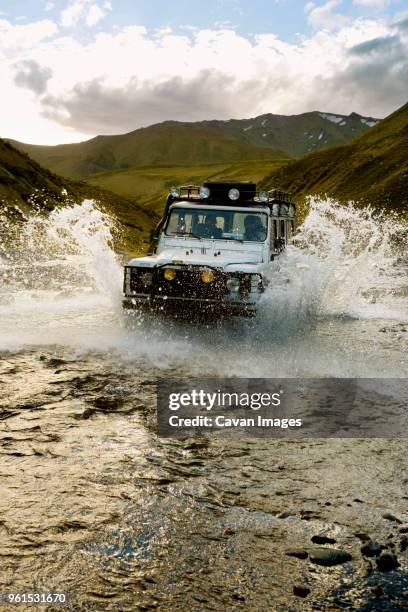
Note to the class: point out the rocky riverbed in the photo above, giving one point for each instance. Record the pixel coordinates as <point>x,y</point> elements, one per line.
<point>94,504</point>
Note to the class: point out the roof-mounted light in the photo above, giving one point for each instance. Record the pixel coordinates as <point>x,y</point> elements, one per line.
<point>204,193</point>
<point>263,196</point>
<point>233,194</point>
<point>175,192</point>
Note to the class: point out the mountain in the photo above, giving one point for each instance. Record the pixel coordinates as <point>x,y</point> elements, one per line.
<point>373,168</point>
<point>206,142</point>
<point>26,187</point>
<point>295,135</point>
<point>165,143</point>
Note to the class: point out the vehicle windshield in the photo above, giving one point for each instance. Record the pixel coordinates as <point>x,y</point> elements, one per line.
<point>221,224</point>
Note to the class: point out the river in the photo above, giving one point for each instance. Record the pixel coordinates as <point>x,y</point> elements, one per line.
<point>94,504</point>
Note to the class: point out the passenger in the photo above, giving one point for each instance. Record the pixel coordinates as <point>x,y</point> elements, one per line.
<point>254,229</point>
<point>209,228</point>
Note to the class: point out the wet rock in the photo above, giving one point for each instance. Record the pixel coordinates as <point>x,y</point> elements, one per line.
<point>391,517</point>
<point>387,561</point>
<point>377,591</point>
<point>299,553</point>
<point>329,556</point>
<point>403,528</point>
<point>323,539</point>
<point>283,515</point>
<point>307,515</point>
<point>372,549</point>
<point>404,544</point>
<point>361,535</point>
<point>301,591</point>
<point>6,414</point>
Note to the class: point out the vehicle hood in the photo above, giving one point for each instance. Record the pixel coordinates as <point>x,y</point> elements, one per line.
<point>178,256</point>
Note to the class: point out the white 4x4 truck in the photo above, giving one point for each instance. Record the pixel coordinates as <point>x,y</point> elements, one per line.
<point>210,251</point>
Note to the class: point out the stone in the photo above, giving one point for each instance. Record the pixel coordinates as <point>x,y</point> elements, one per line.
<point>322,539</point>
<point>285,514</point>
<point>301,591</point>
<point>329,556</point>
<point>377,591</point>
<point>372,549</point>
<point>403,528</point>
<point>299,553</point>
<point>391,517</point>
<point>404,544</point>
<point>387,561</point>
<point>361,535</point>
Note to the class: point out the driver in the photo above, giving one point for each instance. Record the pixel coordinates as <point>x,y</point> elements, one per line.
<point>254,229</point>
<point>209,228</point>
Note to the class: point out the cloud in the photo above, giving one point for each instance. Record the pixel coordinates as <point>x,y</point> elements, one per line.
<point>17,39</point>
<point>372,4</point>
<point>84,10</point>
<point>97,108</point>
<point>95,13</point>
<point>324,16</point>
<point>117,81</point>
<point>402,24</point>
<point>31,75</point>
<point>382,44</point>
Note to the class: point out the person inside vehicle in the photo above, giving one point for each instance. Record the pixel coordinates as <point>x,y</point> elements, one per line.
<point>209,228</point>
<point>254,229</point>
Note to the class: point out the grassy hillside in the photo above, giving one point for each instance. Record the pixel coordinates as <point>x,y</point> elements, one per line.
<point>372,169</point>
<point>167,143</point>
<point>206,142</point>
<point>25,186</point>
<point>295,135</point>
<point>150,185</point>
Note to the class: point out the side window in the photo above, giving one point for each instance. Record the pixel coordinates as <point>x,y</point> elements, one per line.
<point>282,228</point>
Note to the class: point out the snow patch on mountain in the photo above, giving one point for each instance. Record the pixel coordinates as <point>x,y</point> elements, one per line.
<point>368,122</point>
<point>332,118</point>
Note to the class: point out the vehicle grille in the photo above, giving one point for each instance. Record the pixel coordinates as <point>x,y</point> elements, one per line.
<point>188,284</point>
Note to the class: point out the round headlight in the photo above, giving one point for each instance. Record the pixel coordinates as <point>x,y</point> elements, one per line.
<point>233,194</point>
<point>233,284</point>
<point>263,196</point>
<point>275,210</point>
<point>204,193</point>
<point>207,276</point>
<point>175,192</point>
<point>169,274</point>
<point>291,210</point>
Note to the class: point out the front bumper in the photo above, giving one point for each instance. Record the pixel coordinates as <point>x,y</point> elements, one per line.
<point>189,306</point>
<point>187,291</point>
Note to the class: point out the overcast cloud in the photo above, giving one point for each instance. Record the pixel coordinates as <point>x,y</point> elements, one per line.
<point>33,76</point>
<point>117,81</point>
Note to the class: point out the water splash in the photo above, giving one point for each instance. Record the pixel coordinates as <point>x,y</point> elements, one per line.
<point>61,285</point>
<point>343,261</point>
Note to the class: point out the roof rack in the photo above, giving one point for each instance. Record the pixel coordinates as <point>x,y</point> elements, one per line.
<point>213,191</point>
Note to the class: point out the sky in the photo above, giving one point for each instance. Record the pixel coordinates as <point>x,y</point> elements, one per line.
<point>73,69</point>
